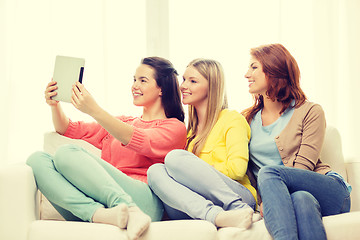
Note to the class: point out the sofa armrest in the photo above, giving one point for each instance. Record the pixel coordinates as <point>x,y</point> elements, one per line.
<point>353,173</point>
<point>17,202</point>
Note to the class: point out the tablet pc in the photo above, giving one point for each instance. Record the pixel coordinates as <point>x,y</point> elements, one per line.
<point>67,71</point>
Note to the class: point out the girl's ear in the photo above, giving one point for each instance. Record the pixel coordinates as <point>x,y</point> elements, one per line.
<point>160,94</point>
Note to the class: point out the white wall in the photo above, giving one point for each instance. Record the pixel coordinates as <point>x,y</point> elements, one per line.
<point>322,35</point>
<point>110,35</point>
<point>4,84</point>
<point>114,35</point>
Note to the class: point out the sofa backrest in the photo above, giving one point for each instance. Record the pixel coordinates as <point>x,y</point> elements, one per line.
<point>53,140</point>
<point>332,153</point>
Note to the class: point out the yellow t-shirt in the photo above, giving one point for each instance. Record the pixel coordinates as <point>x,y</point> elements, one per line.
<point>226,147</point>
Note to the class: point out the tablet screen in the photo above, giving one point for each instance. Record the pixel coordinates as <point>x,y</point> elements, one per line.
<point>67,71</point>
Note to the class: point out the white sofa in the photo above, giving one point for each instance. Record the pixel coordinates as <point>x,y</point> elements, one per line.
<point>26,215</point>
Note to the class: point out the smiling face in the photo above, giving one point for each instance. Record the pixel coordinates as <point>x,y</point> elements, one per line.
<point>145,90</point>
<point>194,88</point>
<point>256,78</point>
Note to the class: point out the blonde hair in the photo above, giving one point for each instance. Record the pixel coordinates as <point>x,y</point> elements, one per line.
<point>212,71</point>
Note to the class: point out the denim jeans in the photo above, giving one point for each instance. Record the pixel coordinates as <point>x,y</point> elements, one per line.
<point>77,183</point>
<point>191,188</point>
<point>294,201</point>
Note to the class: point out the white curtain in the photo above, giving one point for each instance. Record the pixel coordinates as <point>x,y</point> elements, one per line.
<point>113,35</point>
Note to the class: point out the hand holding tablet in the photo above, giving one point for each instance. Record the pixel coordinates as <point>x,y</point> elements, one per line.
<point>67,71</point>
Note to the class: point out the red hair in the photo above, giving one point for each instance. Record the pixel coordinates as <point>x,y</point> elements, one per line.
<point>283,77</point>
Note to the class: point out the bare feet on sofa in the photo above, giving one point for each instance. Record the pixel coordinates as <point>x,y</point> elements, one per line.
<point>117,216</point>
<point>241,218</point>
<point>138,223</point>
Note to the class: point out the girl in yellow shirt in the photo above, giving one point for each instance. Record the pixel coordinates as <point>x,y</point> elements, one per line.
<point>208,181</point>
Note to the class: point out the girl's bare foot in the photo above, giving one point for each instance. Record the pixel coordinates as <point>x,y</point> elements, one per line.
<point>117,216</point>
<point>138,223</point>
<point>241,218</point>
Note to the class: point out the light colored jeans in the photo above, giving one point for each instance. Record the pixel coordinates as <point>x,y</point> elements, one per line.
<point>191,188</point>
<point>77,183</point>
<point>294,201</point>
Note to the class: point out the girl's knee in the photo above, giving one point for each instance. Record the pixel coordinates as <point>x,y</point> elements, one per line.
<point>266,172</point>
<point>62,159</point>
<point>305,202</point>
<point>303,198</point>
<point>154,173</point>
<point>175,154</point>
<point>268,169</point>
<point>37,159</point>
<point>64,150</point>
<point>174,158</point>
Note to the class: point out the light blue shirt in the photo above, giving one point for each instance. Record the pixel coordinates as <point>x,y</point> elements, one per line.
<point>262,147</point>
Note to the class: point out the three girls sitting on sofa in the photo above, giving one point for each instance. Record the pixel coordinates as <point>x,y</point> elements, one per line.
<point>208,179</point>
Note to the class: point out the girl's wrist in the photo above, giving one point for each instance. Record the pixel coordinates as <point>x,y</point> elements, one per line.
<point>97,112</point>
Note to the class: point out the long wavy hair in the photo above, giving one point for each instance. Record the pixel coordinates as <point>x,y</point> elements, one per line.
<point>212,71</point>
<point>283,77</point>
<point>166,79</point>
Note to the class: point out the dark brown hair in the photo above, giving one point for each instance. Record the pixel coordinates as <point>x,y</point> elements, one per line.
<point>166,79</point>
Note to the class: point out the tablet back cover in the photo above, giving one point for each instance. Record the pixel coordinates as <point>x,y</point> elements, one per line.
<point>67,71</point>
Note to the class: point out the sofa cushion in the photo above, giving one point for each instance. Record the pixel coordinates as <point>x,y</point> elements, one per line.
<point>181,230</point>
<point>174,230</point>
<point>331,152</point>
<point>353,171</point>
<point>343,226</point>
<point>46,209</point>
<point>257,231</point>
<point>53,140</point>
<point>60,230</point>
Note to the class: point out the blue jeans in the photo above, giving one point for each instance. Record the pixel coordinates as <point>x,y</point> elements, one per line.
<point>77,183</point>
<point>294,201</point>
<point>191,188</point>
